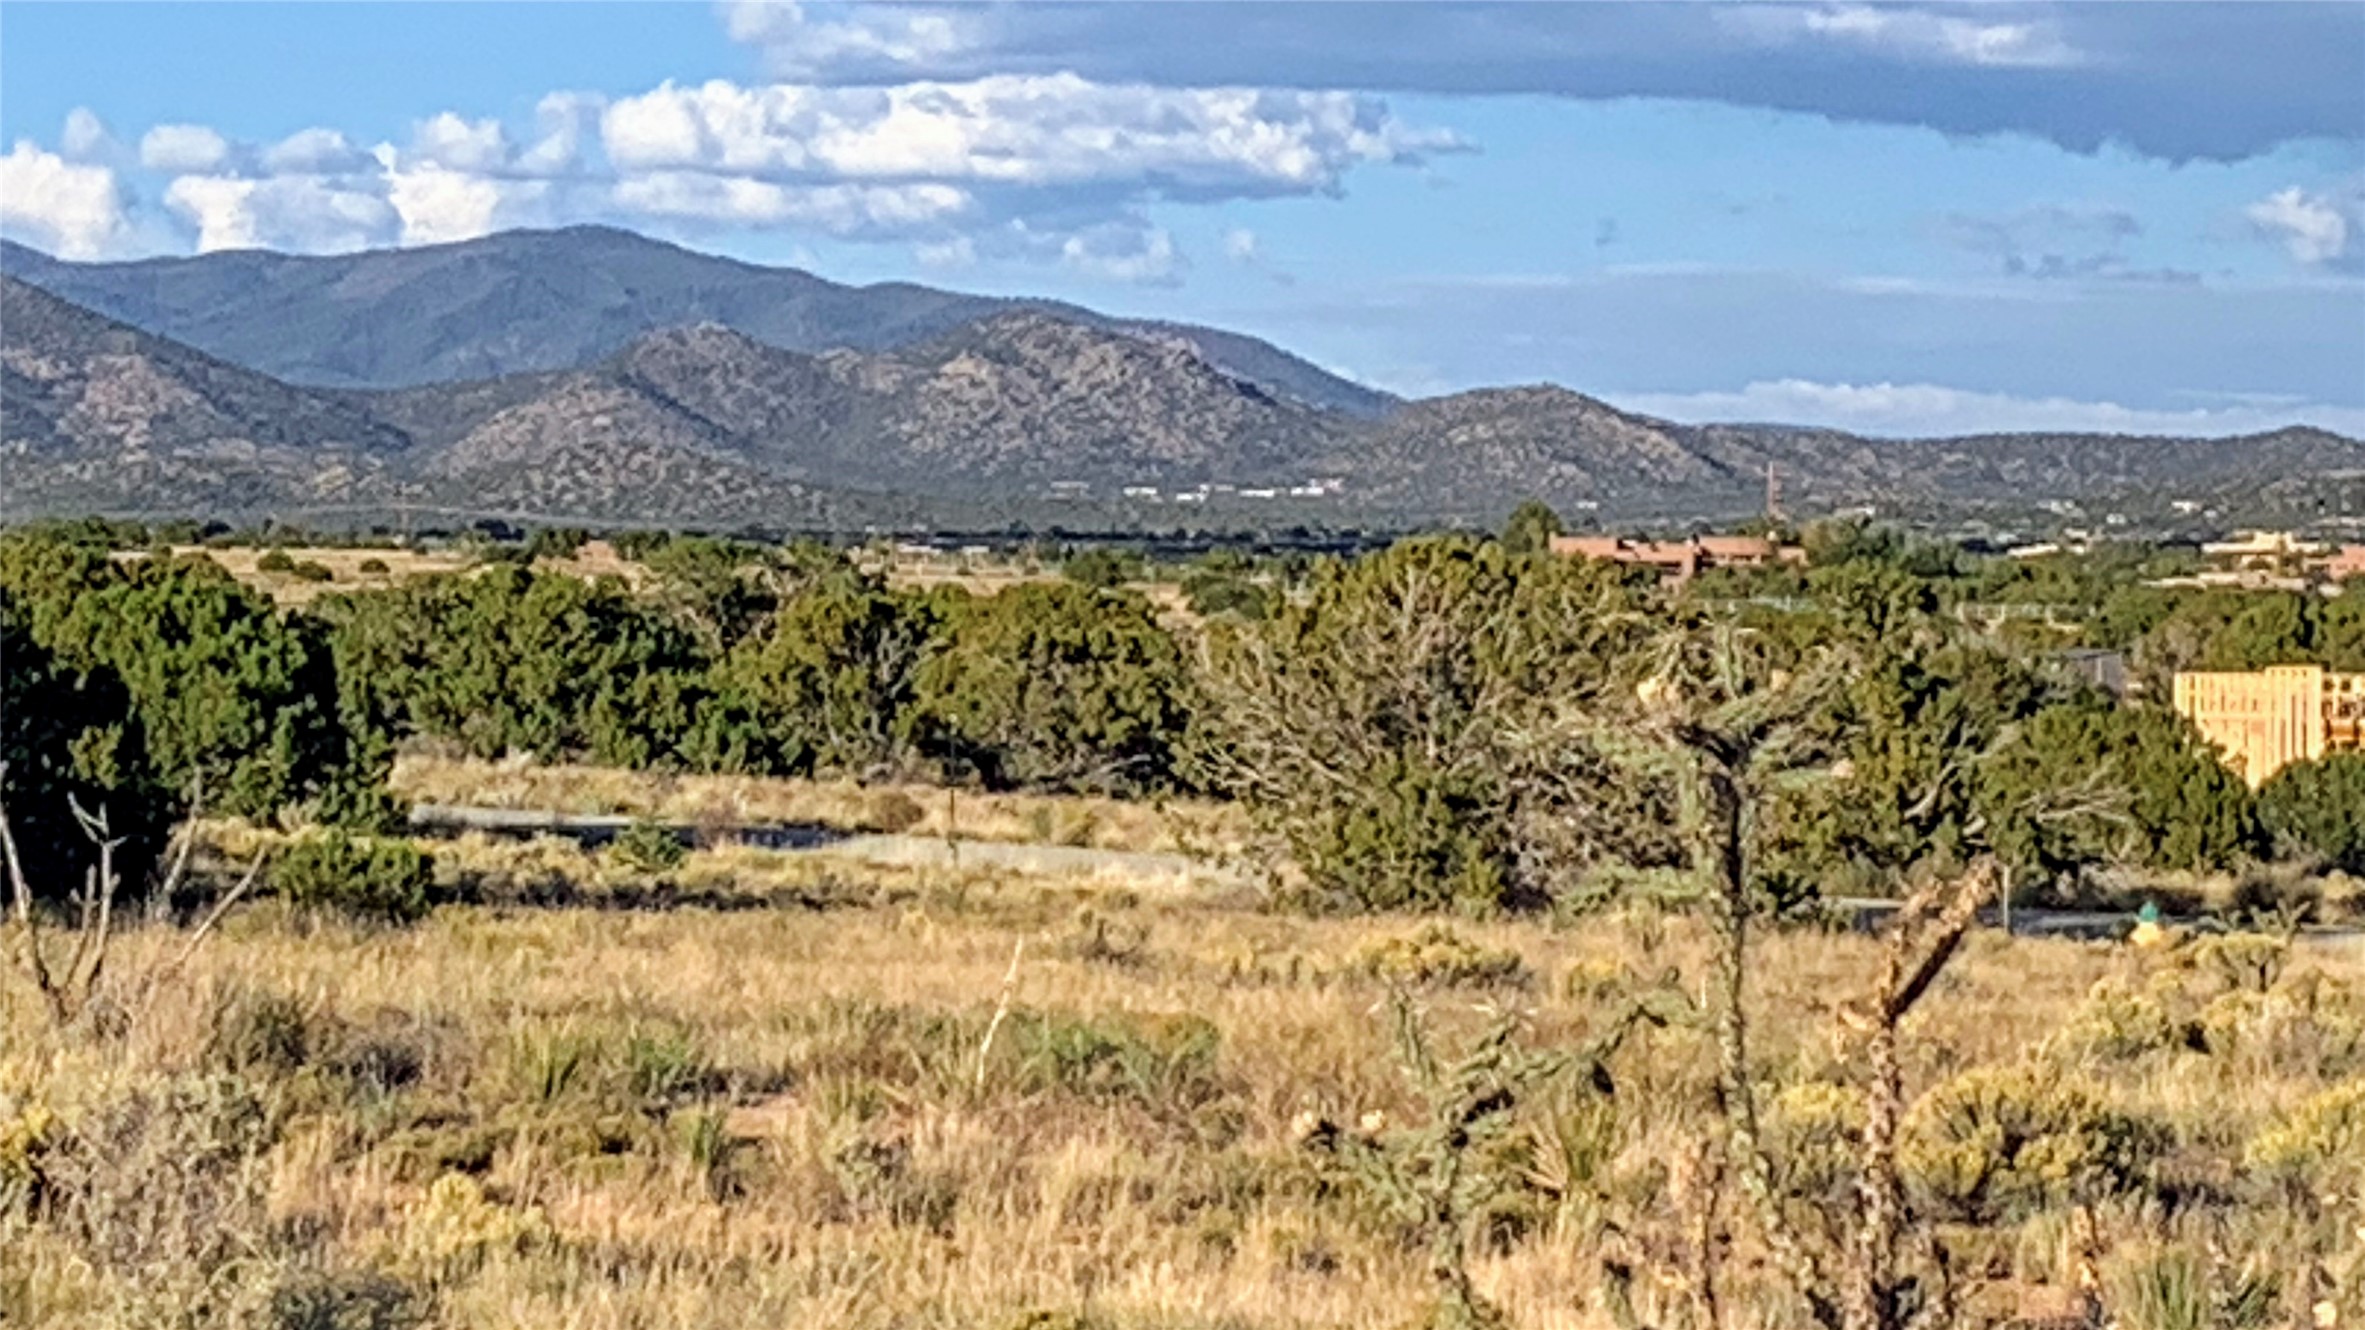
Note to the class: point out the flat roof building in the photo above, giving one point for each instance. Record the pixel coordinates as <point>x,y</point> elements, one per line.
<point>2264,720</point>
<point>2342,564</point>
<point>1681,558</point>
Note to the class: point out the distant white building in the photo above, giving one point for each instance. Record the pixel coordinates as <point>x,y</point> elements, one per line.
<point>2256,548</point>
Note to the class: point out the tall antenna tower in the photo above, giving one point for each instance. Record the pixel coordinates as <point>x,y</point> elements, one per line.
<point>1773,494</point>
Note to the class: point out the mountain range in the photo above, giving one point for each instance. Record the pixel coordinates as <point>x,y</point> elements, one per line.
<point>593,375</point>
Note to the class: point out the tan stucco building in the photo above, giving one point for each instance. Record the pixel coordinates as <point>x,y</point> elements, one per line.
<point>2264,720</point>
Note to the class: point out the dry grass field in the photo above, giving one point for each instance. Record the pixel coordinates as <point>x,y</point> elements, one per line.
<point>352,569</point>
<point>1202,827</point>
<point>942,1100</point>
<point>977,575</point>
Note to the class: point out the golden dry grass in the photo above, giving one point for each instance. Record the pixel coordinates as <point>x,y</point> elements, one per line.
<point>1179,826</point>
<point>599,558</point>
<point>344,566</point>
<point>770,1117</point>
<point>594,559</point>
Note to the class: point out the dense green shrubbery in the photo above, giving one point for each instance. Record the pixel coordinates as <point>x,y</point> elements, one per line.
<point>1101,568</point>
<point>2318,808</point>
<point>828,685</point>
<point>1210,595</point>
<point>366,877</point>
<point>648,847</point>
<point>1420,728</point>
<point>1387,730</point>
<point>135,687</point>
<point>1056,686</point>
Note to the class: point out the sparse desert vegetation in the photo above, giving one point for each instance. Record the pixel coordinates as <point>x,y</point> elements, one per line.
<point>799,1116</point>
<point>1524,999</point>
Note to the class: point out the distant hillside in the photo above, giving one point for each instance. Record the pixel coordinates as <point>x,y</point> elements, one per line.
<point>703,425</point>
<point>92,411</point>
<point>99,417</point>
<point>1019,402</point>
<point>529,301</point>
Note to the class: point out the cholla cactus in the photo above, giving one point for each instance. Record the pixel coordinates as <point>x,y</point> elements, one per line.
<point>1437,1174</point>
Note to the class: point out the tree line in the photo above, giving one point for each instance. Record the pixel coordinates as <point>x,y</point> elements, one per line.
<point>1436,724</point>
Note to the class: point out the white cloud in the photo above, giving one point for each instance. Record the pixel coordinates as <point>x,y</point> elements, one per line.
<point>447,140</point>
<point>1240,245</point>
<point>86,138</point>
<point>1050,169</point>
<point>560,119</point>
<point>798,44</point>
<point>1910,34</point>
<point>217,207</point>
<point>1118,252</point>
<point>958,252</point>
<point>73,209</point>
<point>2314,228</point>
<point>1026,130</point>
<point>314,152</point>
<point>437,204</point>
<point>303,213</point>
<point>1926,409</point>
<point>183,148</point>
<point>851,210</point>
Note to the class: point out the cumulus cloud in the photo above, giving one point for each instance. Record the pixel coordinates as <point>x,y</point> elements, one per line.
<point>183,148</point>
<point>2313,228</point>
<point>562,120</point>
<point>1119,252</point>
<point>459,144</point>
<point>317,191</point>
<point>1017,130</point>
<point>1051,168</point>
<point>800,44</point>
<point>854,211</point>
<point>299,212</point>
<point>1928,409</point>
<point>314,152</point>
<point>73,209</point>
<point>1240,245</point>
<point>87,139</point>
<point>437,204</point>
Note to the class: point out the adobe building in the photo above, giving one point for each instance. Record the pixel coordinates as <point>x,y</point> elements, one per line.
<point>2264,720</point>
<point>1681,559</point>
<point>2342,564</point>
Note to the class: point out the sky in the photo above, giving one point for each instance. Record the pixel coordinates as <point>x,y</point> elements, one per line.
<point>1897,218</point>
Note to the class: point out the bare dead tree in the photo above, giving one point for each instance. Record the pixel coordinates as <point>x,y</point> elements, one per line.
<point>67,990</point>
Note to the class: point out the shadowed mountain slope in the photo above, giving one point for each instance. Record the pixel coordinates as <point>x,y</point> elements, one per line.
<point>529,301</point>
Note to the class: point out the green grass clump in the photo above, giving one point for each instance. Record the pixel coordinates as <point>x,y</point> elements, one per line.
<point>367,877</point>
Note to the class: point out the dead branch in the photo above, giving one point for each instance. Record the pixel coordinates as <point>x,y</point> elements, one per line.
<point>28,928</point>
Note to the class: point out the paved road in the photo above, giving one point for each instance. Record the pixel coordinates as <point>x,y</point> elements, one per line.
<point>1870,912</point>
<point>1134,865</point>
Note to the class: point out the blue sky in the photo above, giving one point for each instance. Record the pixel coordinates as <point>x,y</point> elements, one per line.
<point>1893,218</point>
